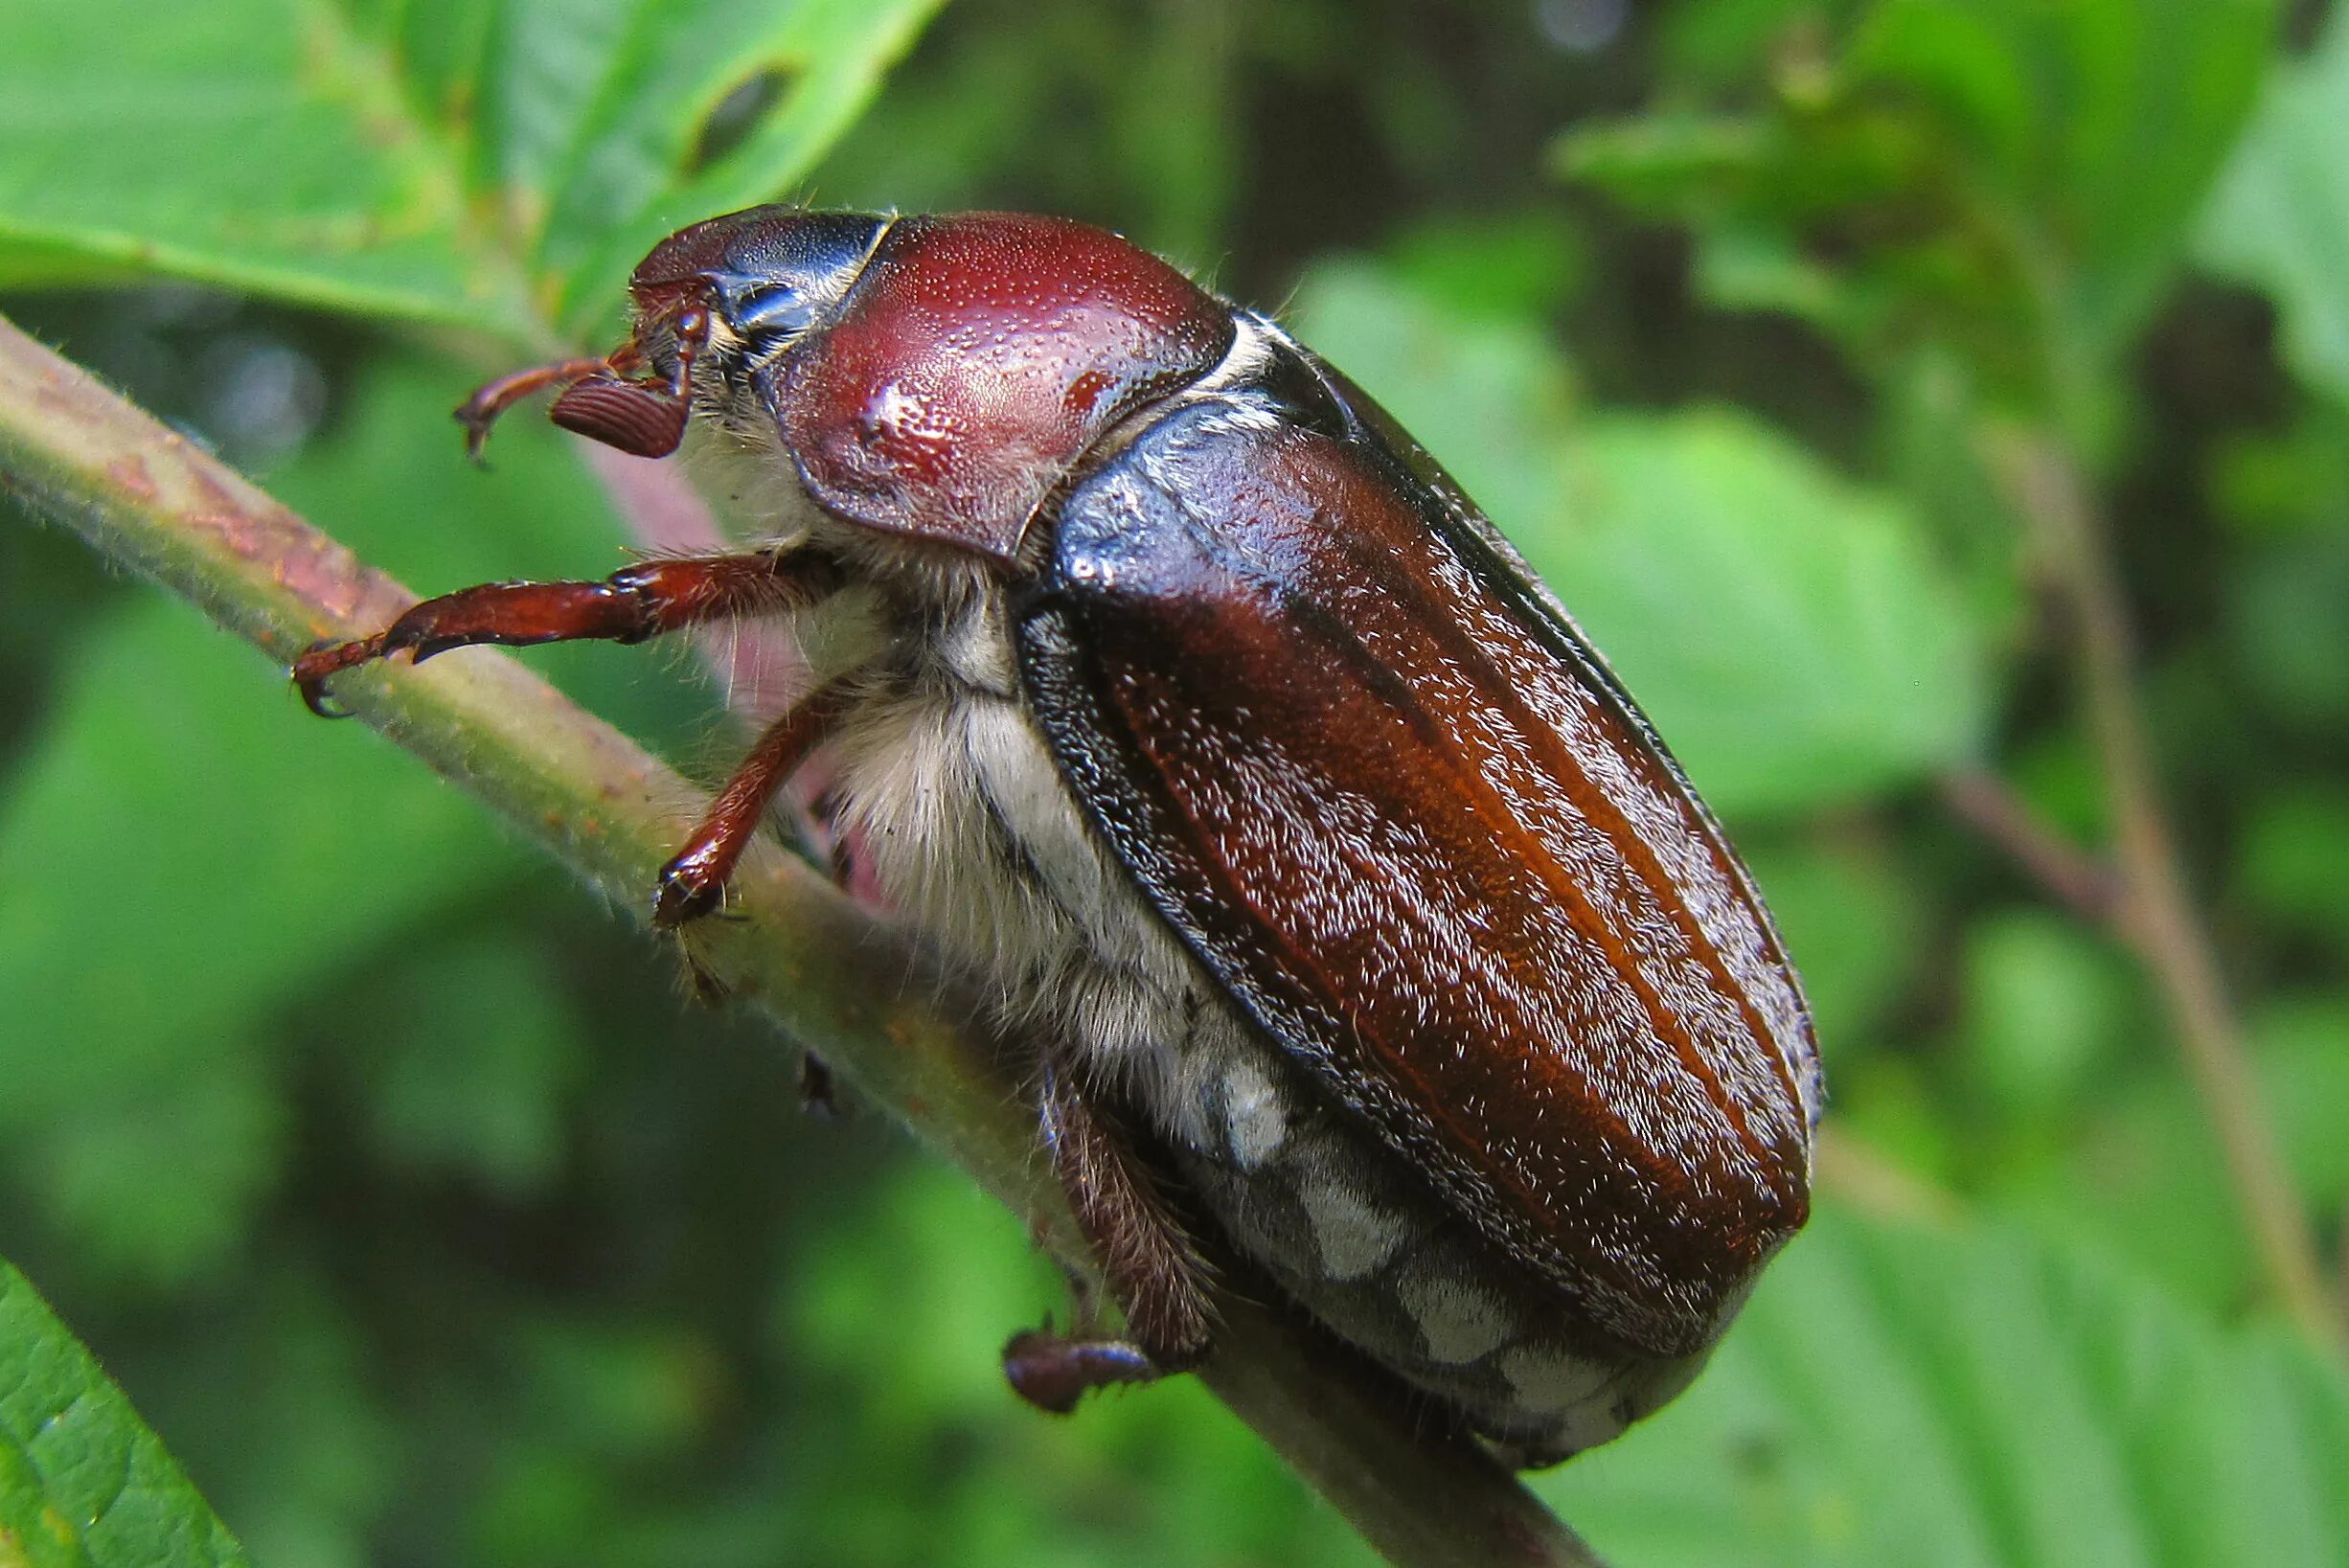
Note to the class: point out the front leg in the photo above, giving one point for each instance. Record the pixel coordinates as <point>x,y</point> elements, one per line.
<point>1154,1271</point>
<point>640,601</point>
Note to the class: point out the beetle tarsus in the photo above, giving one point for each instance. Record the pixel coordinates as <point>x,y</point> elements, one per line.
<point>317,700</point>
<point>686,889</point>
<point>1053,1372</point>
<point>324,658</point>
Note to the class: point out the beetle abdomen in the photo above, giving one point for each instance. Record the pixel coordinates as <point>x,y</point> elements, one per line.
<point>1397,807</point>
<point>1365,1244</point>
<point>976,837</point>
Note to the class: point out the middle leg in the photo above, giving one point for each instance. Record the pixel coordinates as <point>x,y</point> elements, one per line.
<point>694,879</point>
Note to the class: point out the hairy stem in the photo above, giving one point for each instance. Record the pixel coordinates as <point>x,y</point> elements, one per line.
<point>2154,914</point>
<point>826,970</point>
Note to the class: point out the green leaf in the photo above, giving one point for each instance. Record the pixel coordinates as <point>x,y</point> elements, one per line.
<point>2286,634</point>
<point>292,168</point>
<point>925,1280</point>
<point>2012,177</point>
<point>1944,1400</point>
<point>274,1393</point>
<point>498,162</point>
<point>2103,123</point>
<point>2136,1173</point>
<point>2268,483</point>
<point>83,1484</point>
<point>2045,1006</point>
<point>2280,217</point>
<point>1852,916</point>
<point>632,171</point>
<point>1488,396</point>
<point>2304,1070</point>
<point>1787,630</point>
<point>1732,41</point>
<point>1522,265</point>
<point>190,896</point>
<point>2291,863</point>
<point>472,1053</point>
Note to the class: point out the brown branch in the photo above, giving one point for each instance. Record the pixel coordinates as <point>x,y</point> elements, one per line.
<point>2155,916</point>
<point>821,967</point>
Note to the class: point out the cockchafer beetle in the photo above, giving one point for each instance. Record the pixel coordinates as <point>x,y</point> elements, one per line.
<point>1357,920</point>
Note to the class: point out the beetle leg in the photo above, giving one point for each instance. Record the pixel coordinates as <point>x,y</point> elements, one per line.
<point>694,879</point>
<point>1153,1272</point>
<point>640,601</point>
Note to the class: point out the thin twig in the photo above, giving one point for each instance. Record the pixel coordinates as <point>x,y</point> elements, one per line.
<point>827,971</point>
<point>2090,886</point>
<point>2155,916</point>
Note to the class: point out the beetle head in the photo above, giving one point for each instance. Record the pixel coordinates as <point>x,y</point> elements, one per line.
<point>740,289</point>
<point>931,377</point>
<point>731,292</point>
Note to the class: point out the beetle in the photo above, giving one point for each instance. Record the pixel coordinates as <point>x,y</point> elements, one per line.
<point>1360,924</point>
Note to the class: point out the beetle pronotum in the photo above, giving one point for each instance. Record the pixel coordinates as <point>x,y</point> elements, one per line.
<point>1358,924</point>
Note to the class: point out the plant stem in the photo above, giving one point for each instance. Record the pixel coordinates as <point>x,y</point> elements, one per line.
<point>826,970</point>
<point>2154,914</point>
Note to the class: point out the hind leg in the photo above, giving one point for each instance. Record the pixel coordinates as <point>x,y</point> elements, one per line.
<point>1154,1271</point>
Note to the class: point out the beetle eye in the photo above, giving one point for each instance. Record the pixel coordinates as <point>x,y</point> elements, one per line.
<point>775,313</point>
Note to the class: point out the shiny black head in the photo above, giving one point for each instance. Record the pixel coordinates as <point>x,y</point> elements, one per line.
<point>769,273</point>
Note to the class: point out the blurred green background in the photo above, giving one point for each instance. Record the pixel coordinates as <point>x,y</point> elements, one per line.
<point>429,1224</point>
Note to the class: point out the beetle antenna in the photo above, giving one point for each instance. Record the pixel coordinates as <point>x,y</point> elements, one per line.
<point>481,410</point>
